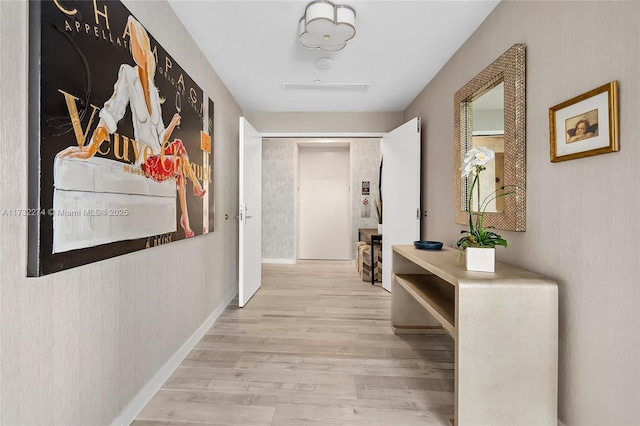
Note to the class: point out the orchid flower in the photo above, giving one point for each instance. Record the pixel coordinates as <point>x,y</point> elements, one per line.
<point>475,158</point>
<point>478,235</point>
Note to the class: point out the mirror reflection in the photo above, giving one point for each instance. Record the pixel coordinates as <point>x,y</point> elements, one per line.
<point>490,111</point>
<point>488,131</point>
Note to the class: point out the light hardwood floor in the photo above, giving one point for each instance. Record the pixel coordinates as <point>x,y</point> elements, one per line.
<point>313,347</point>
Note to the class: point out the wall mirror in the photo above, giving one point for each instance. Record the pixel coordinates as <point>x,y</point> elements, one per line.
<point>490,111</point>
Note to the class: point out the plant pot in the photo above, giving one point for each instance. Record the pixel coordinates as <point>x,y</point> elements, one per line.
<point>480,259</point>
<point>379,228</point>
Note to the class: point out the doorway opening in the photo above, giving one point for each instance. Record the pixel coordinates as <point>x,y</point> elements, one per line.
<point>280,195</point>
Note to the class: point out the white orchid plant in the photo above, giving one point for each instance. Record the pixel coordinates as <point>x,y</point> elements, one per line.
<point>478,235</point>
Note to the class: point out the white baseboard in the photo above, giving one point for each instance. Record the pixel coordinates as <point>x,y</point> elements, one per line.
<point>137,404</point>
<point>286,261</point>
<point>560,423</point>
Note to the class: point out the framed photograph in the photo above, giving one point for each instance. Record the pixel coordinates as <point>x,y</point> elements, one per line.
<point>585,125</point>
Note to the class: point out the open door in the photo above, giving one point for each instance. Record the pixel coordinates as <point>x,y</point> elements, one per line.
<point>250,212</point>
<point>400,191</point>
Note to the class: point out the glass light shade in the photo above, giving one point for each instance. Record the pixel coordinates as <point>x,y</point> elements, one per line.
<point>347,16</point>
<point>326,26</point>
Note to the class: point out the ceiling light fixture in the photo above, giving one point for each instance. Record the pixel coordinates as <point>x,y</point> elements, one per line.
<point>327,26</point>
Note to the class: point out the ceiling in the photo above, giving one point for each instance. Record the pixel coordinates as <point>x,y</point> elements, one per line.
<point>398,48</point>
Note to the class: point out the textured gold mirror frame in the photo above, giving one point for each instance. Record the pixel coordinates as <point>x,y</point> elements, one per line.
<point>510,68</point>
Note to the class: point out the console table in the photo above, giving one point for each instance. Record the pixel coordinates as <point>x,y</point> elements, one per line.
<point>505,327</point>
<point>372,236</point>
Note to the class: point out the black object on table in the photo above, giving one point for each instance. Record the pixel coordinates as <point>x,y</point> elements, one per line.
<point>427,245</point>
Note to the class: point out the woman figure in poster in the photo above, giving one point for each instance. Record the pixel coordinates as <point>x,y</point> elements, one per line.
<point>135,87</point>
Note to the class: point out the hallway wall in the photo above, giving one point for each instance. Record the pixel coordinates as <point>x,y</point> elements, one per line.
<point>324,122</point>
<point>582,215</point>
<point>78,345</point>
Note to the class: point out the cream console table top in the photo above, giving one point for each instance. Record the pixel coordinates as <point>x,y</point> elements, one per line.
<point>505,327</point>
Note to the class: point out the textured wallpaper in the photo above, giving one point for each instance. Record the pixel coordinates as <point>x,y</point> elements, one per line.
<point>599,344</point>
<point>277,199</point>
<point>365,161</point>
<point>278,202</point>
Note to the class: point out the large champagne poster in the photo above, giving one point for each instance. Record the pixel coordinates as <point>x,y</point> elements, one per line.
<point>120,139</point>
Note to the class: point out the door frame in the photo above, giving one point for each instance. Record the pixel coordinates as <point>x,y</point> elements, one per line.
<point>319,135</point>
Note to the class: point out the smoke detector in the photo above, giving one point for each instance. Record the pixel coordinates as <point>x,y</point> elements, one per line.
<point>324,63</point>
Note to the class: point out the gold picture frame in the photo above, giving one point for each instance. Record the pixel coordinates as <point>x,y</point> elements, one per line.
<point>585,125</point>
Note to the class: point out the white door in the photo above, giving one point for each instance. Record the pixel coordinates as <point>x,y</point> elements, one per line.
<point>325,214</point>
<point>250,216</point>
<point>400,191</point>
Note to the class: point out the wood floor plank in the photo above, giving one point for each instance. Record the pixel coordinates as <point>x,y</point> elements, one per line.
<point>391,403</point>
<point>430,398</point>
<point>217,398</point>
<point>317,415</point>
<point>312,347</point>
<point>284,391</point>
<point>299,377</point>
<point>411,383</point>
<point>260,335</point>
<point>285,368</point>
<point>211,414</point>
